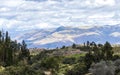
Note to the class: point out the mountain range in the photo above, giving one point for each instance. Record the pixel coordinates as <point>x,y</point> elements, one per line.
<point>57,37</point>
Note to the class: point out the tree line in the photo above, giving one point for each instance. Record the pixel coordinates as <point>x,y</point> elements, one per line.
<point>10,51</point>
<point>97,56</point>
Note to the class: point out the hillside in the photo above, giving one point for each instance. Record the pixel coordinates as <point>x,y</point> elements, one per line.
<point>89,59</point>
<point>57,37</point>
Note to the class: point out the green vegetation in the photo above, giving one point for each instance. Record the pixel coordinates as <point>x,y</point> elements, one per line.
<point>11,51</point>
<point>87,59</point>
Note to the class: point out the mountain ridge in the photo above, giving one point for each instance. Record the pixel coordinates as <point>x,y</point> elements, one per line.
<point>60,36</point>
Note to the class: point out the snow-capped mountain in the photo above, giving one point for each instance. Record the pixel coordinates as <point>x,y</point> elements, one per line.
<point>57,37</point>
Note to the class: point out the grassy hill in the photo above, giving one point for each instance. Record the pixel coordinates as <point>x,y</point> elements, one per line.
<point>71,60</point>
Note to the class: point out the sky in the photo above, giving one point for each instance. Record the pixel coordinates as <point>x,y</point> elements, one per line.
<point>32,14</point>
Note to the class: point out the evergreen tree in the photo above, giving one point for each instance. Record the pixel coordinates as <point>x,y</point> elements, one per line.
<point>74,45</point>
<point>24,51</point>
<point>88,60</point>
<point>107,51</point>
<point>96,53</point>
<point>88,43</point>
<point>10,50</point>
<point>84,44</point>
<point>63,47</point>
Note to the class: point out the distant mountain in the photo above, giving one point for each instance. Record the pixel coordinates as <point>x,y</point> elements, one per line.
<point>51,38</point>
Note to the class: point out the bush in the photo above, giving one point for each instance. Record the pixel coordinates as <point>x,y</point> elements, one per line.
<point>103,68</point>
<point>39,57</point>
<point>50,63</point>
<point>22,70</point>
<point>117,64</point>
<point>115,57</point>
<point>69,60</point>
<point>79,69</point>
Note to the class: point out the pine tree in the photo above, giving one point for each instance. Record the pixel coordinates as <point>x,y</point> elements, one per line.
<point>88,43</point>
<point>24,51</point>
<point>63,47</point>
<point>74,45</point>
<point>1,46</point>
<point>107,51</point>
<point>10,50</point>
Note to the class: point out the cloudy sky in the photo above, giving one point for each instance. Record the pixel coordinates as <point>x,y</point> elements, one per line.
<point>30,14</point>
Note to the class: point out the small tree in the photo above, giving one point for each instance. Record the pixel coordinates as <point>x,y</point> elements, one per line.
<point>88,43</point>
<point>74,45</point>
<point>63,47</point>
<point>107,51</point>
<point>24,51</point>
<point>88,60</point>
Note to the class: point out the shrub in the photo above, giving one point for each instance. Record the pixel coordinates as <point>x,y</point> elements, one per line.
<point>50,63</point>
<point>103,68</point>
<point>79,69</point>
<point>117,64</point>
<point>22,70</point>
<point>69,60</point>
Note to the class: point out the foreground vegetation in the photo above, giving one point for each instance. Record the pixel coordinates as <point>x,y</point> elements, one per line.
<point>88,59</point>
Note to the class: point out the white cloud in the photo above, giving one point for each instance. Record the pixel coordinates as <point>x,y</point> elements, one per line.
<point>19,14</point>
<point>115,34</point>
<point>105,2</point>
